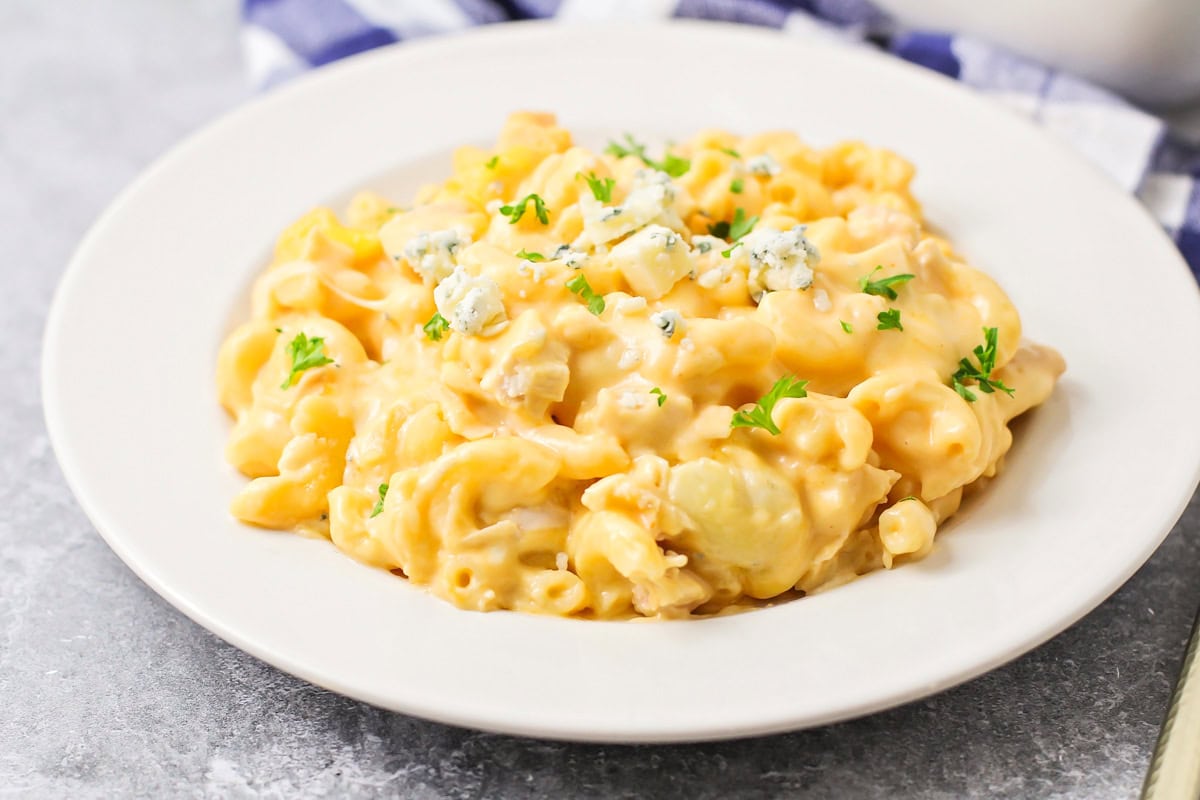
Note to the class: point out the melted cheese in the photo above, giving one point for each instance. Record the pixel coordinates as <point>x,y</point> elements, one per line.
<point>541,457</point>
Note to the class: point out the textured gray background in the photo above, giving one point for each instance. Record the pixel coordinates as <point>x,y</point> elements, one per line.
<point>105,691</point>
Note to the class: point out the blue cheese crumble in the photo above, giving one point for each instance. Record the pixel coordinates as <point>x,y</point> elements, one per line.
<point>668,321</point>
<point>630,358</point>
<point>652,193</point>
<point>706,244</point>
<point>432,253</point>
<point>651,198</point>
<point>573,259</point>
<point>777,260</point>
<point>532,269</point>
<point>652,260</point>
<point>665,238</point>
<point>764,165</point>
<point>472,304</point>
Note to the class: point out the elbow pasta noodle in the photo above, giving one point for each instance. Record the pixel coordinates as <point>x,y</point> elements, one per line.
<point>607,385</point>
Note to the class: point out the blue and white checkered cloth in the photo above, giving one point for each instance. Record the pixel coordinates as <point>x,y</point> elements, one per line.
<point>285,37</point>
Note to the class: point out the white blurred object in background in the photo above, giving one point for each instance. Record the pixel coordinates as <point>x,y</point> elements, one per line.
<point>1148,50</point>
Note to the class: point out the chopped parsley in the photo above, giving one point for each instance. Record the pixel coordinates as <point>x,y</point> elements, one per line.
<point>884,286</point>
<point>515,211</point>
<point>631,148</point>
<point>673,165</point>
<point>760,415</point>
<point>889,320</point>
<point>378,509</point>
<point>528,256</point>
<point>741,225</point>
<point>305,353</point>
<point>729,151</point>
<point>981,375</point>
<point>737,185</point>
<point>668,321</point>
<point>662,398</point>
<point>579,285</point>
<point>436,326</point>
<point>735,229</point>
<point>492,162</point>
<point>846,326</point>
<point>601,187</point>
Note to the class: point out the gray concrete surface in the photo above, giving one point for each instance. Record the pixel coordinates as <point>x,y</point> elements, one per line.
<point>106,691</point>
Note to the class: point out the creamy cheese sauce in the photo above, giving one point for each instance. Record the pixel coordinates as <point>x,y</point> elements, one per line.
<point>540,415</point>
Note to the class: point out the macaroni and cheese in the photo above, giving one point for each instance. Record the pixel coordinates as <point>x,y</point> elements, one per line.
<point>614,384</point>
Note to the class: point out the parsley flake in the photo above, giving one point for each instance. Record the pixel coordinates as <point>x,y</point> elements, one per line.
<point>889,320</point>
<point>981,375</point>
<point>492,162</point>
<point>735,229</point>
<point>305,353</point>
<point>436,326</point>
<point>579,285</point>
<point>729,151</point>
<point>515,211</point>
<point>741,225</point>
<point>883,286</point>
<point>601,187</point>
<point>378,509</point>
<point>673,165</point>
<point>631,148</point>
<point>528,256</point>
<point>846,326</point>
<point>760,415</point>
<point>737,185</point>
<point>662,398</point>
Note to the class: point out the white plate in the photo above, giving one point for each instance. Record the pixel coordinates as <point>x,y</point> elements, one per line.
<point>1097,478</point>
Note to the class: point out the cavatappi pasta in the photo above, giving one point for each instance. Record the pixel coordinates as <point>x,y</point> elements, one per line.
<point>610,385</point>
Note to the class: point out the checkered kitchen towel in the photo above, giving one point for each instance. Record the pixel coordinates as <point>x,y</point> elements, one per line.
<point>285,37</point>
